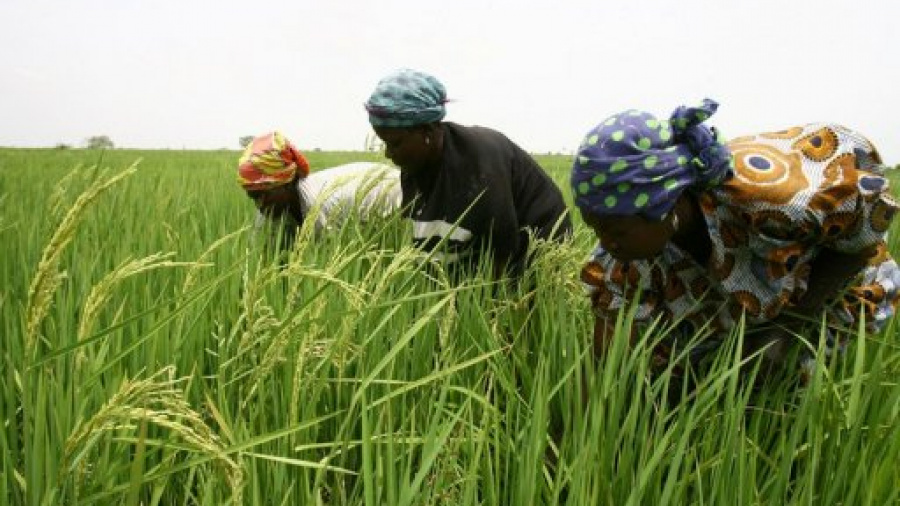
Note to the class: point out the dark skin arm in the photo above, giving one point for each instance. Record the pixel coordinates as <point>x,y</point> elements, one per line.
<point>830,272</point>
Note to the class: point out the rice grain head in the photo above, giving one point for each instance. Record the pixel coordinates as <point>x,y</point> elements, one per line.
<point>48,278</point>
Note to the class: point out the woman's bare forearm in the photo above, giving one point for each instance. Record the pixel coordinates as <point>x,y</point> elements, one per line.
<point>830,272</point>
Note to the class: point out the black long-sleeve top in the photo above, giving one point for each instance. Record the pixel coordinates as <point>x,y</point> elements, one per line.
<point>485,195</point>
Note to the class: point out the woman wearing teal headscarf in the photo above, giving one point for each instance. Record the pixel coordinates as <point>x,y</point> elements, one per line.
<point>470,189</point>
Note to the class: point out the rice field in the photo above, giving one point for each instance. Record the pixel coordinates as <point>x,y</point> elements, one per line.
<point>152,354</point>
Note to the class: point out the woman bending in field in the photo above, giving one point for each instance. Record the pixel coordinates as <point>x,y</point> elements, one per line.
<point>277,177</point>
<point>783,229</point>
<point>469,189</point>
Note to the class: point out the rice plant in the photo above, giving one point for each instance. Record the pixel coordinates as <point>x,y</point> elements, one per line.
<point>154,354</point>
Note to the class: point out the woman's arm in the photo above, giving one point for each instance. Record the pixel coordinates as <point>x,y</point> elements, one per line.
<point>830,273</point>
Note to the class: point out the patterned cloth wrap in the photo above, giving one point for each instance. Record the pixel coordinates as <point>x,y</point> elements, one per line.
<point>269,161</point>
<point>793,193</point>
<point>407,98</point>
<point>632,163</point>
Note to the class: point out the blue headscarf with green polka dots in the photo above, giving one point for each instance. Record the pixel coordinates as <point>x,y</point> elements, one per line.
<point>407,98</point>
<point>633,163</point>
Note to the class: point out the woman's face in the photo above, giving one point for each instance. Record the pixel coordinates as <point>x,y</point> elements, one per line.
<point>407,147</point>
<point>630,237</point>
<point>277,201</point>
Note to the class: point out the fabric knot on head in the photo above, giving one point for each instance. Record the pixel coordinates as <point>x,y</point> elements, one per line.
<point>712,158</point>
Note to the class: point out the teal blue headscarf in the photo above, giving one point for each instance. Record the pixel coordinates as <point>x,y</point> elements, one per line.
<point>407,98</point>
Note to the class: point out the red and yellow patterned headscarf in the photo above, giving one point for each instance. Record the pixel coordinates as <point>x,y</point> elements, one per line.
<point>270,160</point>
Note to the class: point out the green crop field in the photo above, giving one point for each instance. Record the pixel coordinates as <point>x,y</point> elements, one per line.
<point>152,354</point>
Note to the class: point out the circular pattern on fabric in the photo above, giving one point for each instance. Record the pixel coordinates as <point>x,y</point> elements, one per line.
<point>783,261</point>
<point>788,133</point>
<point>874,293</point>
<point>883,212</point>
<point>838,185</point>
<point>838,224</point>
<point>868,156</point>
<point>592,274</point>
<point>841,169</point>
<point>747,302</point>
<point>759,162</point>
<point>762,172</point>
<point>819,145</point>
<point>855,301</point>
<point>870,184</point>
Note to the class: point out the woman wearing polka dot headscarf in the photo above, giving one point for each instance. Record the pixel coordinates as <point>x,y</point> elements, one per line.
<point>779,229</point>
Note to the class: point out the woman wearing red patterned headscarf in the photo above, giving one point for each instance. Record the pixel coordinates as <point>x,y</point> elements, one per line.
<point>277,177</point>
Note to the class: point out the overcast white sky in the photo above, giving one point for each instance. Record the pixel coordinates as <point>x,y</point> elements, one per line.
<point>200,74</point>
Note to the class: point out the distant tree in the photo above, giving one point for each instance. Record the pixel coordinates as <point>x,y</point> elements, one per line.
<point>246,140</point>
<point>99,142</point>
<point>62,145</point>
